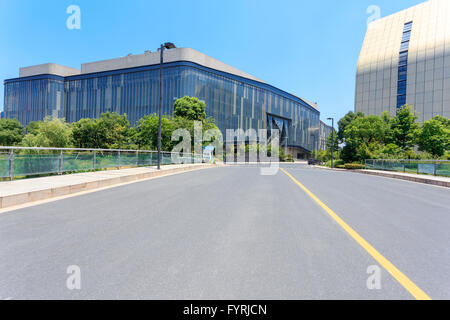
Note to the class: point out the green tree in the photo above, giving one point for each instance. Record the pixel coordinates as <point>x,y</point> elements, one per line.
<point>147,132</point>
<point>190,108</point>
<point>445,121</point>
<point>363,136</point>
<point>85,134</point>
<point>54,133</point>
<point>33,127</point>
<point>112,130</point>
<point>345,121</point>
<point>131,139</point>
<point>434,136</point>
<point>333,144</point>
<point>11,132</point>
<point>404,128</point>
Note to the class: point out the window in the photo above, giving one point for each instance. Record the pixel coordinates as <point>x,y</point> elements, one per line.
<point>403,60</point>
<point>406,36</point>
<point>402,73</point>
<point>401,88</point>
<point>404,46</point>
<point>408,26</point>
<point>403,65</point>
<point>401,101</point>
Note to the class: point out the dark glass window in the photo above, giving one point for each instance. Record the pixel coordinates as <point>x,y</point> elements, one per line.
<point>403,65</point>
<point>403,60</point>
<point>404,46</point>
<point>401,101</point>
<point>408,26</point>
<point>401,90</point>
<point>402,75</point>
<point>406,36</point>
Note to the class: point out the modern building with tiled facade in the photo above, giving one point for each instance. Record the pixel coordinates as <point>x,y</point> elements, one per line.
<point>405,59</point>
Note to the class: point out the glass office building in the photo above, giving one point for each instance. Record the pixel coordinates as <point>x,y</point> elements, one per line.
<point>130,86</point>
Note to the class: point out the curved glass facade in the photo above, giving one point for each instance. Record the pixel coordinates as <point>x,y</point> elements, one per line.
<point>35,98</point>
<point>234,102</point>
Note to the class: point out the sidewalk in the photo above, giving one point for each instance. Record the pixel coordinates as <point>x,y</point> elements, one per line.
<point>433,180</point>
<point>19,192</point>
<point>421,178</point>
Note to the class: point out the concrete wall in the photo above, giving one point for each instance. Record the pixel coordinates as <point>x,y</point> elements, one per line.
<point>48,68</point>
<point>151,58</point>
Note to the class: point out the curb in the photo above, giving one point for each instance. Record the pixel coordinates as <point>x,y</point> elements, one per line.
<point>39,195</point>
<point>394,176</point>
<point>407,178</point>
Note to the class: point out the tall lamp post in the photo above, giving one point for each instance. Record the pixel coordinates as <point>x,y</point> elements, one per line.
<point>167,45</point>
<point>332,140</point>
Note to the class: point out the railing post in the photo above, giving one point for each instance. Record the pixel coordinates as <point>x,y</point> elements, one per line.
<point>137,158</point>
<point>404,166</point>
<point>11,164</point>
<point>435,168</point>
<point>94,161</point>
<point>118,159</point>
<point>60,171</point>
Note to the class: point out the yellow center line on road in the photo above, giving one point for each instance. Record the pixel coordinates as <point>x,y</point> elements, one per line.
<point>410,286</point>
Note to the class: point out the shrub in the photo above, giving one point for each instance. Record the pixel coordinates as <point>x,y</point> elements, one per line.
<point>336,162</point>
<point>354,166</point>
<point>289,158</point>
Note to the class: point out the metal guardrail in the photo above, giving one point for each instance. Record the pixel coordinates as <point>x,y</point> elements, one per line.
<point>23,161</point>
<point>430,167</point>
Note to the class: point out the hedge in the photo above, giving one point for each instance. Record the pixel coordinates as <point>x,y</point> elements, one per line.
<point>354,166</point>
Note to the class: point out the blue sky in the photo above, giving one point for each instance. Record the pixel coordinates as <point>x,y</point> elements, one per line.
<point>308,48</point>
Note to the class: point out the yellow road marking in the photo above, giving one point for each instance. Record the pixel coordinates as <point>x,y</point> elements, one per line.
<point>410,286</point>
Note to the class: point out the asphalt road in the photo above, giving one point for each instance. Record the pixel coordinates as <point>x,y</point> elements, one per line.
<point>230,233</point>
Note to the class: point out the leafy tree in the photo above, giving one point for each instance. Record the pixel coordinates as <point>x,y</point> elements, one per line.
<point>85,134</point>
<point>387,120</point>
<point>345,121</point>
<point>363,136</point>
<point>404,128</point>
<point>366,130</point>
<point>33,127</point>
<point>434,136</point>
<point>445,121</point>
<point>349,152</point>
<point>54,133</point>
<point>147,132</point>
<point>112,130</point>
<point>132,139</point>
<point>190,108</point>
<point>11,132</point>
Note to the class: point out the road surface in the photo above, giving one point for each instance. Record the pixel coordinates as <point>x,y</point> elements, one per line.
<point>231,233</point>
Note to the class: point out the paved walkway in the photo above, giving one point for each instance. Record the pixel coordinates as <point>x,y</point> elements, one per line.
<point>421,178</point>
<point>27,190</point>
<point>435,180</point>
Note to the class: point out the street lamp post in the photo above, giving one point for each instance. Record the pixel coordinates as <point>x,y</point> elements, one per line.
<point>167,45</point>
<point>332,140</point>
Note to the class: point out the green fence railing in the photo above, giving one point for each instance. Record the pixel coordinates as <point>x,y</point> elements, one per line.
<point>430,167</point>
<point>23,162</point>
